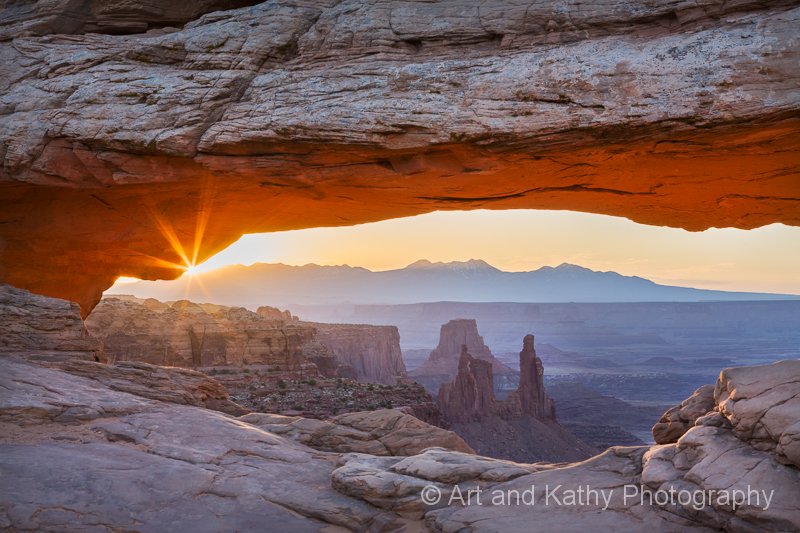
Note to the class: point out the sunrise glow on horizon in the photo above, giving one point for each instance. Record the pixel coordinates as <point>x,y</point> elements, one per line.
<point>766,259</point>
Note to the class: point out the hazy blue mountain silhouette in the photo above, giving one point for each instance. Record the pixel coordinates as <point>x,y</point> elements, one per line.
<point>422,281</point>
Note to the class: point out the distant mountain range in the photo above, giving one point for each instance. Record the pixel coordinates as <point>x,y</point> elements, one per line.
<point>422,281</point>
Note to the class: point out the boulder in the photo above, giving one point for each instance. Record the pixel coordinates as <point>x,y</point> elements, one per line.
<point>763,405</point>
<point>677,420</point>
<point>738,487</point>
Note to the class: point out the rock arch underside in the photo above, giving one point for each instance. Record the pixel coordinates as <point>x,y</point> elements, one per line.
<point>135,140</point>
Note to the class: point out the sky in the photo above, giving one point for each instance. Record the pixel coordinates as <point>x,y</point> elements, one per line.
<point>766,259</point>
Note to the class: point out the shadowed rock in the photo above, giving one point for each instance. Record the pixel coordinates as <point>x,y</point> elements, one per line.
<point>43,328</point>
<point>522,427</point>
<point>444,361</point>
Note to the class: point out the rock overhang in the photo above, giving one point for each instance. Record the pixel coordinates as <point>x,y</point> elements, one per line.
<point>137,154</point>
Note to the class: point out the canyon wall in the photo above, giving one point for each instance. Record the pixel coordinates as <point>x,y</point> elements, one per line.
<point>138,154</point>
<point>196,335</point>
<point>187,334</point>
<point>373,352</point>
<point>42,327</point>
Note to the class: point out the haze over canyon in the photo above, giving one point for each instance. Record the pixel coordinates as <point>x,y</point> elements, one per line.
<point>421,281</point>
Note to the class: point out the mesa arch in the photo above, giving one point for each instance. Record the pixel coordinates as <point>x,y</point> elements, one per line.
<point>131,153</point>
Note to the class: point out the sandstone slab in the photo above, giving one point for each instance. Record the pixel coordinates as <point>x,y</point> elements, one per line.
<point>381,432</point>
<point>92,458</point>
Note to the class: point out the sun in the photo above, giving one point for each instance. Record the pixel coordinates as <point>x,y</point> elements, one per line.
<point>192,270</point>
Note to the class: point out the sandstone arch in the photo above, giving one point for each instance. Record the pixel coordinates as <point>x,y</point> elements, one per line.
<point>134,154</point>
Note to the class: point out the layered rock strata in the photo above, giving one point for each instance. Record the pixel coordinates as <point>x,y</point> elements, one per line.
<point>444,361</point>
<point>151,151</point>
<point>187,334</point>
<point>206,335</point>
<point>166,384</point>
<point>471,395</point>
<point>43,328</point>
<point>372,352</point>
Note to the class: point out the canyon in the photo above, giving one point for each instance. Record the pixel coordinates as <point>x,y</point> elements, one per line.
<point>648,353</point>
<point>150,148</point>
<point>138,139</point>
<point>194,335</point>
<point>78,437</point>
<point>75,447</point>
<point>505,412</point>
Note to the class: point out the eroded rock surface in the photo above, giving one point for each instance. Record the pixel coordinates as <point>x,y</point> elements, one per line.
<point>734,436</point>
<point>471,394</point>
<point>166,384</point>
<point>40,17</point>
<point>763,405</point>
<point>158,149</point>
<point>523,427</point>
<point>188,334</point>
<point>709,460</point>
<point>443,362</point>
<point>677,420</point>
<point>733,486</point>
<point>43,328</point>
<point>372,352</point>
<point>381,432</point>
<point>77,455</point>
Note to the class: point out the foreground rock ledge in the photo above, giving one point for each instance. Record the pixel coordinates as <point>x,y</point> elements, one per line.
<point>77,454</point>
<point>133,154</point>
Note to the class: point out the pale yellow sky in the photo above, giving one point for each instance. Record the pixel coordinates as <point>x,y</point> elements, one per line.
<point>765,259</point>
